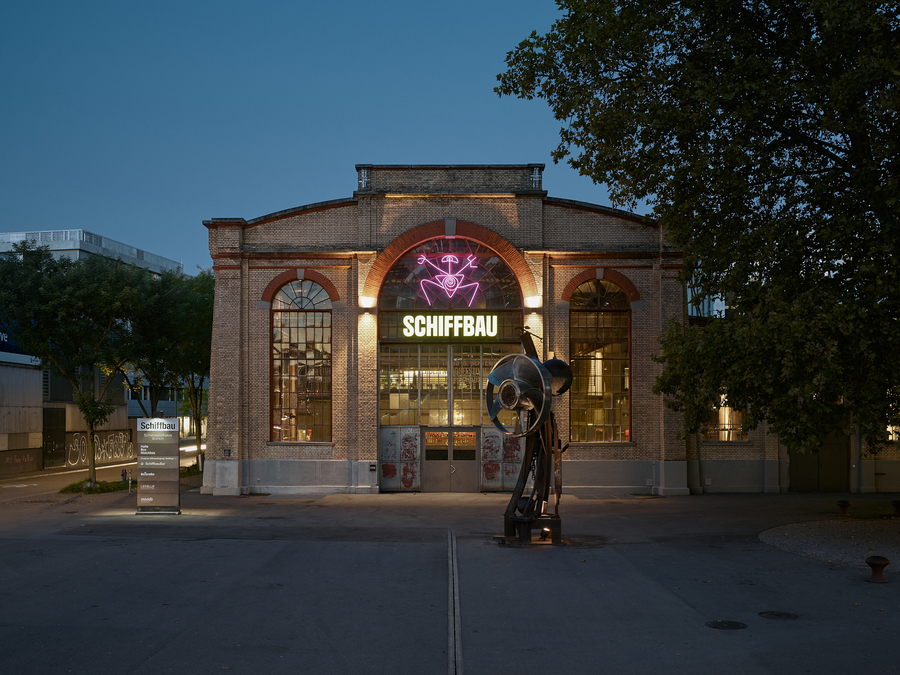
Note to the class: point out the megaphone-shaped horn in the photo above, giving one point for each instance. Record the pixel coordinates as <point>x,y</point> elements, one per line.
<point>522,384</point>
<point>561,374</point>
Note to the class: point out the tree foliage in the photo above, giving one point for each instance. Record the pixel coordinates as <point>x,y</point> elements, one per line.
<point>74,317</point>
<point>190,354</point>
<point>78,316</point>
<point>764,135</point>
<point>154,328</point>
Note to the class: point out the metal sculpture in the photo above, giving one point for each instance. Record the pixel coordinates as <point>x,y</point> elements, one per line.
<point>525,385</point>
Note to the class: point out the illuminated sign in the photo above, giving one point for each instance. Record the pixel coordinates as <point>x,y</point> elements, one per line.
<point>448,281</point>
<point>7,344</point>
<point>450,325</point>
<point>158,466</point>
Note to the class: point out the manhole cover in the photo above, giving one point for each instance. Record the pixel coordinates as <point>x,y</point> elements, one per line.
<point>726,625</point>
<point>777,615</point>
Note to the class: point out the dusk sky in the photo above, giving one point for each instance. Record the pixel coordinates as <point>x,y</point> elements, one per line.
<point>139,120</point>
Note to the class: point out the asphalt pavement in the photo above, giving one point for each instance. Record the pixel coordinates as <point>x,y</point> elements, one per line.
<point>359,584</point>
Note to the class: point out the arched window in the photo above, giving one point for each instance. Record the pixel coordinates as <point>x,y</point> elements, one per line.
<point>599,334</point>
<point>450,275</point>
<point>301,363</point>
<point>486,281</point>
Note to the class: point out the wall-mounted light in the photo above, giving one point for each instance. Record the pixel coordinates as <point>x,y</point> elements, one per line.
<point>367,302</point>
<point>534,301</point>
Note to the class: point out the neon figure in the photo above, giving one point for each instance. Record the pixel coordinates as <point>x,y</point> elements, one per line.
<point>448,281</point>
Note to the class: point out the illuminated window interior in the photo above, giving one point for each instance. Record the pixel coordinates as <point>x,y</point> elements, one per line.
<point>438,385</point>
<point>301,363</point>
<point>599,328</point>
<point>724,425</point>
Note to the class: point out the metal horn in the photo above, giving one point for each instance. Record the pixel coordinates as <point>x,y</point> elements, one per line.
<point>522,384</point>
<point>561,373</point>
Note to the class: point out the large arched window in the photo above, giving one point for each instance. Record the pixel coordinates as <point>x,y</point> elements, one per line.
<point>599,333</point>
<point>301,363</point>
<point>438,380</point>
<point>485,280</point>
<point>451,275</point>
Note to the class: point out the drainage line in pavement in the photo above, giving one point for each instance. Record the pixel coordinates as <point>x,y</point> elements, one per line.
<point>454,626</point>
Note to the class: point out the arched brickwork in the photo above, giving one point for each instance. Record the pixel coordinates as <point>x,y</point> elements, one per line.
<point>465,230</point>
<point>612,275</point>
<point>291,275</point>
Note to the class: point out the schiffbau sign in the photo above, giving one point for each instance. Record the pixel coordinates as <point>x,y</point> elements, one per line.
<point>158,466</point>
<point>450,325</point>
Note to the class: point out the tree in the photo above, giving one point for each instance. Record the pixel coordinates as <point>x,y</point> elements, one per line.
<point>764,135</point>
<point>189,358</point>
<point>73,316</point>
<point>154,327</point>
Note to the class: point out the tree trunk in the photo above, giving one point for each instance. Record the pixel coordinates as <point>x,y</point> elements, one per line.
<point>140,394</point>
<point>92,467</point>
<point>155,394</point>
<point>198,430</point>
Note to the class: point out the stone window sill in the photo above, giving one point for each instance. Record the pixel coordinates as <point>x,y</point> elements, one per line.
<point>302,444</point>
<point>725,443</point>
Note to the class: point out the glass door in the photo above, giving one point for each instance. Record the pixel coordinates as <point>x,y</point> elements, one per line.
<point>433,420</point>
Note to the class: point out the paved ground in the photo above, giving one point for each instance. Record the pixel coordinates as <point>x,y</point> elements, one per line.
<point>359,584</point>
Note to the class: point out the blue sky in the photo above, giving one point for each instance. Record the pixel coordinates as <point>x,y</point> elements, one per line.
<point>138,120</point>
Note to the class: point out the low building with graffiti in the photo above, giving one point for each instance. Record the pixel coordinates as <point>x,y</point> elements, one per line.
<point>40,425</point>
<point>42,428</point>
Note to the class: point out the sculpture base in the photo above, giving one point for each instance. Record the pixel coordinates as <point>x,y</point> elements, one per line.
<point>525,531</point>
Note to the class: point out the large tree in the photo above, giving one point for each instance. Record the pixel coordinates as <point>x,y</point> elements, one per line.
<point>73,315</point>
<point>189,358</point>
<point>764,135</point>
<point>155,326</point>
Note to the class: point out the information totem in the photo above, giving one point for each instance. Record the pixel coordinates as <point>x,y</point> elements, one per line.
<point>158,467</point>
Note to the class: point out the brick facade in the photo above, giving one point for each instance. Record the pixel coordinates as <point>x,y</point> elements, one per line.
<point>348,246</point>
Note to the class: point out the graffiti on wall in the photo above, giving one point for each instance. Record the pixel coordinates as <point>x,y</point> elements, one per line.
<point>19,461</point>
<point>109,446</point>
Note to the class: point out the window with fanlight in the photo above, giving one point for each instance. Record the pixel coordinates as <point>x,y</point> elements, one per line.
<point>600,354</point>
<point>301,363</point>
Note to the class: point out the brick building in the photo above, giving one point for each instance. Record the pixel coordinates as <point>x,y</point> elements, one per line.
<point>353,338</point>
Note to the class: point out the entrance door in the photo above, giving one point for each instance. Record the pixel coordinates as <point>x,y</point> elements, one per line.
<point>825,469</point>
<point>464,461</point>
<point>450,460</point>
<point>433,422</point>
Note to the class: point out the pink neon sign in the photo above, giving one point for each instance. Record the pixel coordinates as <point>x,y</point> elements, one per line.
<point>448,281</point>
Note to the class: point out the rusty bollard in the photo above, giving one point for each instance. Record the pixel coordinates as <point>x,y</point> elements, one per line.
<point>896,505</point>
<point>878,563</point>
<point>844,506</point>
